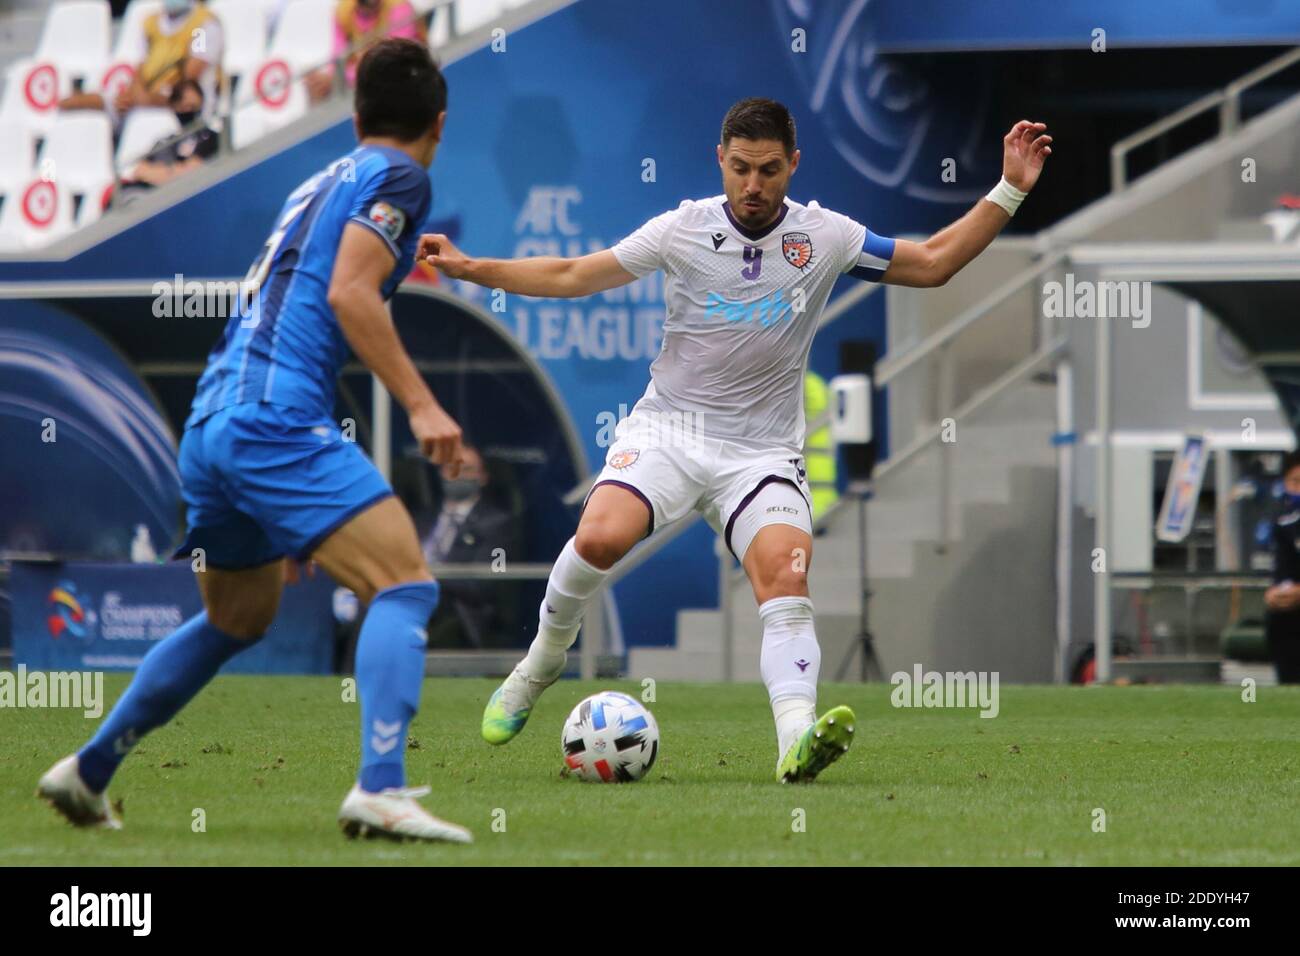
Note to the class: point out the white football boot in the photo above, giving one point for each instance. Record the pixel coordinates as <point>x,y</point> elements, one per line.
<point>64,790</point>
<point>394,814</point>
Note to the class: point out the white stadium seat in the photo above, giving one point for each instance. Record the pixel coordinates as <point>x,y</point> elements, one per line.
<point>32,91</point>
<point>440,29</point>
<point>243,24</point>
<point>35,215</point>
<point>143,128</point>
<point>304,37</point>
<point>130,46</point>
<point>76,37</point>
<point>471,14</point>
<point>17,155</point>
<point>78,152</point>
<point>281,102</point>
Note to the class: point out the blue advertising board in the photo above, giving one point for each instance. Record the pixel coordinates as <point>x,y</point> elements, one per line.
<point>93,617</point>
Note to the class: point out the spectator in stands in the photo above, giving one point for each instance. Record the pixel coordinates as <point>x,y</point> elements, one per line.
<point>170,160</point>
<point>469,529</point>
<point>358,24</point>
<point>1282,600</point>
<point>183,41</point>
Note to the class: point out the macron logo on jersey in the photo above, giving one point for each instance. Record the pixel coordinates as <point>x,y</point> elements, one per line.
<point>390,220</point>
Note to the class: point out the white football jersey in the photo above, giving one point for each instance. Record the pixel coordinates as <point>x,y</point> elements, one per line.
<point>742,307</point>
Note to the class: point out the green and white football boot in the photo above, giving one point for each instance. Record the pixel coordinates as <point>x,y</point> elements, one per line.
<point>818,747</point>
<point>508,708</point>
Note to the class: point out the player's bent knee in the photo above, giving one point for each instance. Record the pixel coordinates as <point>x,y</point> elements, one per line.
<point>780,577</point>
<point>383,579</point>
<point>247,624</point>
<point>600,545</point>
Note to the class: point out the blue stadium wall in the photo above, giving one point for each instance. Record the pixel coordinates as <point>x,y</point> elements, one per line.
<point>547,149</point>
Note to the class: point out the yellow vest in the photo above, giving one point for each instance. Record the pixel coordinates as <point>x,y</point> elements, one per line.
<point>164,63</point>
<point>818,450</point>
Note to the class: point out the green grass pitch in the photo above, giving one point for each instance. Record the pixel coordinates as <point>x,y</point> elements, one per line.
<point>1185,775</point>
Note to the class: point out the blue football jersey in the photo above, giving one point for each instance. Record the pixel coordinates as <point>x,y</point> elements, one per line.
<point>284,345</point>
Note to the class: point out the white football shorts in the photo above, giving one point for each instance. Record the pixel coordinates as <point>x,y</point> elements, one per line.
<point>738,490</point>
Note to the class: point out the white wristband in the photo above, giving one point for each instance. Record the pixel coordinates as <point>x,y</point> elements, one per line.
<point>1007,196</point>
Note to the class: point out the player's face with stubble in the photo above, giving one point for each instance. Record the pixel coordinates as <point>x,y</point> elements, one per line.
<point>755,177</point>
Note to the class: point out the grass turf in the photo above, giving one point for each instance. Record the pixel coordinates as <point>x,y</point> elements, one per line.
<point>1185,775</point>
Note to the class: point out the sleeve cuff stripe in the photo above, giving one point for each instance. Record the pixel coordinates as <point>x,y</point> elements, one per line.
<point>878,246</point>
<point>870,273</point>
<point>866,259</point>
<point>392,246</point>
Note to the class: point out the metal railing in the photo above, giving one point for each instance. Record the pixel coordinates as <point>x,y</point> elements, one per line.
<point>1227,101</point>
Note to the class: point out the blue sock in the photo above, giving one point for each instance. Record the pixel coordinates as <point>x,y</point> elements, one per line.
<point>170,675</point>
<point>390,670</point>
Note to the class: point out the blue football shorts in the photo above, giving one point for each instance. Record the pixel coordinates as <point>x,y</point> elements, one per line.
<point>264,481</point>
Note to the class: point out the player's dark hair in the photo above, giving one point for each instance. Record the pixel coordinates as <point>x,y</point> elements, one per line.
<point>759,118</point>
<point>1290,461</point>
<point>400,90</point>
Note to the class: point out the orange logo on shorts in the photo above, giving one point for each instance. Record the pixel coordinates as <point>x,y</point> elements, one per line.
<point>625,458</point>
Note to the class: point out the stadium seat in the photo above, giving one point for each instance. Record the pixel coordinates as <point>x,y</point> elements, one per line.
<point>472,14</point>
<point>78,152</point>
<point>256,115</point>
<point>17,156</point>
<point>243,23</point>
<point>440,28</point>
<point>92,206</point>
<point>130,46</point>
<point>32,91</point>
<point>304,37</point>
<point>143,128</point>
<point>34,216</point>
<point>76,37</point>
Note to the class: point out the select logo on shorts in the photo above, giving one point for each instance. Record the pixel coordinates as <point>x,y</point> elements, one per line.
<point>625,458</point>
<point>797,249</point>
<point>390,220</point>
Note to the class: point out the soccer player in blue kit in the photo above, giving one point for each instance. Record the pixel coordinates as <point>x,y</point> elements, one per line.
<point>267,475</point>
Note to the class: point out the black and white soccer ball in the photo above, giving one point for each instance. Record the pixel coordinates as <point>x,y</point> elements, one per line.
<point>610,738</point>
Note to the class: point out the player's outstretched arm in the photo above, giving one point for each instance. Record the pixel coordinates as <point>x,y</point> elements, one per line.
<point>943,255</point>
<point>361,268</point>
<point>548,276</point>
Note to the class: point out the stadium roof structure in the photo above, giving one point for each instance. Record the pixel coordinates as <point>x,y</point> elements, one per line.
<point>1252,288</point>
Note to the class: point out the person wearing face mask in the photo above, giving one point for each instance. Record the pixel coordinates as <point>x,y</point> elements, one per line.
<point>1282,600</point>
<point>469,529</point>
<point>182,41</point>
<point>169,160</point>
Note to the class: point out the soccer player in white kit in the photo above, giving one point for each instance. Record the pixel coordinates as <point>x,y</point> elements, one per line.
<point>720,428</point>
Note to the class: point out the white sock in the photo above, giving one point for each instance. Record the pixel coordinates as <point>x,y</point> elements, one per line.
<point>790,663</point>
<point>793,716</point>
<point>572,583</point>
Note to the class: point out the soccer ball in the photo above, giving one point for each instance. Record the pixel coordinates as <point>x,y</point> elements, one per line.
<point>611,738</point>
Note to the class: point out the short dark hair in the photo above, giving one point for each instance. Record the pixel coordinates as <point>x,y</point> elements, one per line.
<point>400,90</point>
<point>759,118</point>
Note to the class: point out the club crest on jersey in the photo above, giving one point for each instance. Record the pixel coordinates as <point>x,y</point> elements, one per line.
<point>797,249</point>
<point>390,220</point>
<point>625,458</point>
